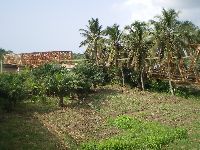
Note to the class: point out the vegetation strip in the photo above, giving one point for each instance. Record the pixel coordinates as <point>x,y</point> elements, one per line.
<point>137,135</point>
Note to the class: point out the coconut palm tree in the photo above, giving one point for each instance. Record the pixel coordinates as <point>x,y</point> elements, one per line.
<point>166,33</point>
<point>114,43</point>
<point>93,36</point>
<point>188,36</point>
<point>139,43</point>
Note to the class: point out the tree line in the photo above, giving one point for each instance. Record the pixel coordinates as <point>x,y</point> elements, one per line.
<point>112,56</point>
<point>165,37</point>
<point>49,80</point>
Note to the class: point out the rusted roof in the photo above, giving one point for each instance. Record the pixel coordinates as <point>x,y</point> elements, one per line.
<point>37,58</point>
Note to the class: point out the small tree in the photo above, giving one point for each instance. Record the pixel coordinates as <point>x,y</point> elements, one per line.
<point>92,73</point>
<point>13,89</point>
<point>61,84</point>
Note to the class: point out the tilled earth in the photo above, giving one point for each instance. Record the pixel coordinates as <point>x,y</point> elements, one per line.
<point>76,123</point>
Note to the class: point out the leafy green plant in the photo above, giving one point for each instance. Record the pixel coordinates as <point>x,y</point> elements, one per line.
<point>91,72</point>
<point>63,84</point>
<point>54,80</point>
<point>187,91</point>
<point>14,88</point>
<point>113,75</point>
<point>137,135</point>
<point>124,122</point>
<point>159,85</point>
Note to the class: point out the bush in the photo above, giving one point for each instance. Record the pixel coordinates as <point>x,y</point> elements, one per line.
<point>113,75</point>
<point>66,83</point>
<point>13,89</point>
<point>131,77</point>
<point>124,122</point>
<point>187,91</point>
<point>137,135</point>
<point>92,73</point>
<point>54,80</point>
<point>158,85</point>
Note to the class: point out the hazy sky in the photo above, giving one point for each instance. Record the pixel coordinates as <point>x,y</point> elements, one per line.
<point>43,25</point>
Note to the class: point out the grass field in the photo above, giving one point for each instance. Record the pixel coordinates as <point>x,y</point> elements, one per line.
<point>45,126</point>
<point>20,130</point>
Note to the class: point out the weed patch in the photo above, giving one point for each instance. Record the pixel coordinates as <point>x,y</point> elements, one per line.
<point>137,135</point>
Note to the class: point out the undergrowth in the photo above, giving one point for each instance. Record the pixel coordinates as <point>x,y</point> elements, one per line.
<point>137,135</point>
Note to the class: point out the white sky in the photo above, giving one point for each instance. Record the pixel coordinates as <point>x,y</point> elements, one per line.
<point>43,25</point>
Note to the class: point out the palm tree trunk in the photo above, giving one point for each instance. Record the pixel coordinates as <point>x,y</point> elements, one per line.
<point>169,59</point>
<point>96,53</point>
<point>142,79</point>
<point>122,77</point>
<point>96,59</point>
<point>1,66</point>
<point>116,56</point>
<point>61,101</point>
<point>169,75</point>
<point>171,87</point>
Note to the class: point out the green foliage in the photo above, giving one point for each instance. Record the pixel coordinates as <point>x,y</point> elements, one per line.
<point>182,91</point>
<point>158,85</point>
<point>131,77</point>
<point>78,56</point>
<point>51,80</point>
<point>46,70</point>
<point>2,52</point>
<point>54,80</point>
<point>14,88</point>
<point>137,135</point>
<point>124,122</point>
<point>92,73</point>
<point>166,38</point>
<point>187,91</point>
<point>41,76</point>
<point>65,82</point>
<point>113,75</point>
<point>93,37</point>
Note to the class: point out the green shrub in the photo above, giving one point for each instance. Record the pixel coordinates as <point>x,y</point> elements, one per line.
<point>187,91</point>
<point>54,80</point>
<point>159,85</point>
<point>113,75</point>
<point>92,73</point>
<point>137,135</point>
<point>131,77</point>
<point>124,122</point>
<point>13,89</point>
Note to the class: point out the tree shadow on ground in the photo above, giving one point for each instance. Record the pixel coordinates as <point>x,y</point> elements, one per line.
<point>94,98</point>
<point>38,113</point>
<point>23,131</point>
<point>27,115</point>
